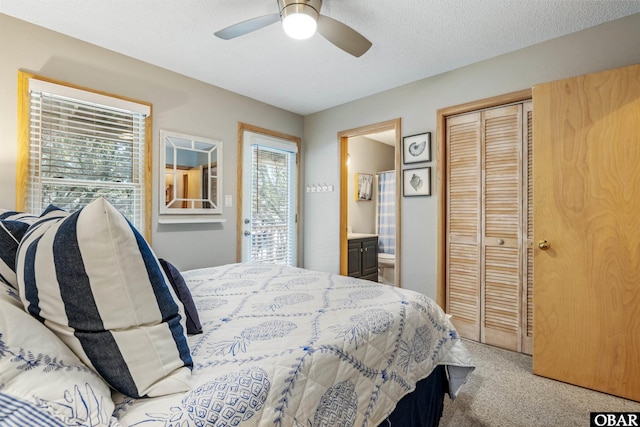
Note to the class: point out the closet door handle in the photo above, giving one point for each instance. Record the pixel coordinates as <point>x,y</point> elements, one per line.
<point>544,245</point>
<point>500,242</point>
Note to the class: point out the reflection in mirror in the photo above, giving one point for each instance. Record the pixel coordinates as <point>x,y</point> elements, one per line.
<point>192,175</point>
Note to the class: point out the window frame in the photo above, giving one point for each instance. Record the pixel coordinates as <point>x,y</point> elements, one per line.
<point>22,161</point>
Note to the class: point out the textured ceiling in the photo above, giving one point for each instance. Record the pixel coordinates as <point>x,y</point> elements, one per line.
<point>412,40</point>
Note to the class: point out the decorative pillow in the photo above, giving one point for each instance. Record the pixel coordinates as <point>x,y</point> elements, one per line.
<point>17,412</point>
<point>94,281</point>
<point>41,381</point>
<point>17,216</point>
<point>11,232</point>
<point>184,294</point>
<point>13,225</point>
<point>10,295</point>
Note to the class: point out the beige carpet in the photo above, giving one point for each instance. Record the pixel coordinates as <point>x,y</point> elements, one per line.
<point>502,391</point>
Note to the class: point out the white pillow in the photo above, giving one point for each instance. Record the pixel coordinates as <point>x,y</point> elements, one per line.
<point>41,378</point>
<point>94,281</point>
<point>10,295</point>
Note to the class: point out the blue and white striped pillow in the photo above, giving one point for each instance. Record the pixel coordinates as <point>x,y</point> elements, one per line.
<point>94,281</point>
<point>13,225</point>
<point>11,232</point>
<point>6,214</point>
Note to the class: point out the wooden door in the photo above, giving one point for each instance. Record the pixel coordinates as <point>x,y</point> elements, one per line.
<point>587,207</point>
<point>485,224</point>
<point>501,226</point>
<point>463,223</point>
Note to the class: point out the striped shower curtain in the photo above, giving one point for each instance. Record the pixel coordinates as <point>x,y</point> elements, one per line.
<point>387,212</point>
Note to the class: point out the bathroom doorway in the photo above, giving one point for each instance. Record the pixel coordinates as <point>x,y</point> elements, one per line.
<point>361,153</point>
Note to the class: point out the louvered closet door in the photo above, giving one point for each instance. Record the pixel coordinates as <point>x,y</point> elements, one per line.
<point>527,267</point>
<point>463,224</point>
<point>501,256</point>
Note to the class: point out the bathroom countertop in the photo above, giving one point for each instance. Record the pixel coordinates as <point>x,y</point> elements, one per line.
<point>360,236</point>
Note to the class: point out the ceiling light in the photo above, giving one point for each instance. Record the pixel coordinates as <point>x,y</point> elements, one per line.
<point>299,20</point>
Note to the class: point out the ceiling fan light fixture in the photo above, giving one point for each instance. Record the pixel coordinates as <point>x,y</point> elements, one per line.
<point>299,20</point>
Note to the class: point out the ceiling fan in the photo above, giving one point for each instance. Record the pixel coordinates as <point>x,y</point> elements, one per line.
<point>300,19</point>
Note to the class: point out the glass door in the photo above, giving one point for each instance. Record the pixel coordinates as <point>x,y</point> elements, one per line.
<point>269,199</point>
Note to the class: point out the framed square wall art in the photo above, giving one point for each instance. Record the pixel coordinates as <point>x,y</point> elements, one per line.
<point>416,182</point>
<point>416,148</point>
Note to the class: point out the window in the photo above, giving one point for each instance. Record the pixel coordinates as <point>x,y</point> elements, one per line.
<point>81,145</point>
<point>273,231</point>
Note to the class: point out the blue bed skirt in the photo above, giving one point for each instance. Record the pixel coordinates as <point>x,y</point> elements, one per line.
<point>423,407</point>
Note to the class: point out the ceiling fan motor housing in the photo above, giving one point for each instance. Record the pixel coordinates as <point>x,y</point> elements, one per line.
<point>307,7</point>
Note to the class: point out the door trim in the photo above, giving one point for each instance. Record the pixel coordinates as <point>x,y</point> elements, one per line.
<point>441,175</point>
<point>242,127</point>
<point>343,139</point>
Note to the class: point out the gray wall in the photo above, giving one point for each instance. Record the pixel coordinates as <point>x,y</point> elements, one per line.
<point>179,104</point>
<point>186,105</point>
<point>607,46</point>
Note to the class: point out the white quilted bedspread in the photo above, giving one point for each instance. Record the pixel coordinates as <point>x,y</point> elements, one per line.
<point>285,346</point>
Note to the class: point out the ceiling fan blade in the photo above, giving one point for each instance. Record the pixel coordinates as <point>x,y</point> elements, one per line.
<point>343,36</point>
<point>245,27</point>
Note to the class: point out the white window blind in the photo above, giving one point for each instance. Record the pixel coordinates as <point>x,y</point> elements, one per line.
<point>84,145</point>
<point>273,216</point>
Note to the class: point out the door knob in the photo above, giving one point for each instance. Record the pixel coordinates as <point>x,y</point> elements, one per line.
<point>247,233</point>
<point>544,245</point>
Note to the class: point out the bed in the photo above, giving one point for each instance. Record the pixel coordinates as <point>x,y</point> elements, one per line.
<point>270,345</point>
